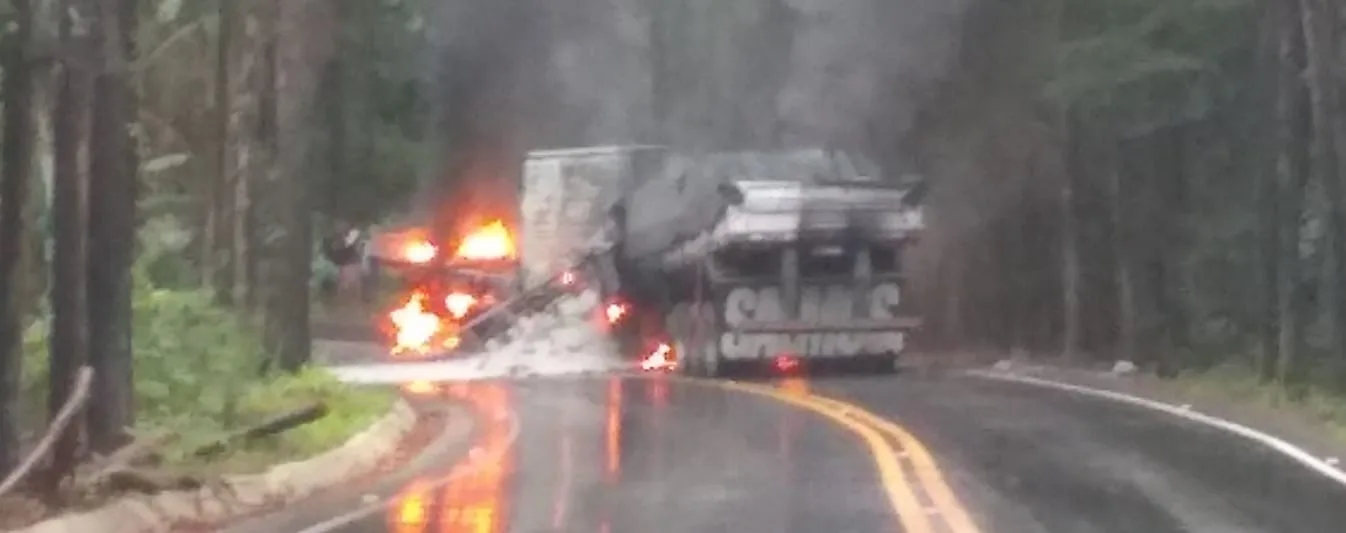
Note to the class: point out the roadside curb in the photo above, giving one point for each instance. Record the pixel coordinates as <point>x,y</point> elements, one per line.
<point>238,496</point>
<point>1034,376</point>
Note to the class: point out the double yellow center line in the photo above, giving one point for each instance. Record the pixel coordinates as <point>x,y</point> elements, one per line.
<point>914,484</point>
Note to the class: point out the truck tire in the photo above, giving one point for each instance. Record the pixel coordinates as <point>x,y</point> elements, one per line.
<point>707,352</point>
<point>710,360</point>
<point>885,365</point>
<point>679,325</point>
<point>688,363</point>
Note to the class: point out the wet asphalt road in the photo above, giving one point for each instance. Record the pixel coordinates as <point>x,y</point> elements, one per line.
<point>646,455</point>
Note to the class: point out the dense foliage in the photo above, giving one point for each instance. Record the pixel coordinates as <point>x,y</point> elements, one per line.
<point>215,303</point>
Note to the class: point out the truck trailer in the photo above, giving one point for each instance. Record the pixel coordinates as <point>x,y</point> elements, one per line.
<point>718,262</point>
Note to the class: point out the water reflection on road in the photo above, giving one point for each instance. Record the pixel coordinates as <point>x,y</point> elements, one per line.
<point>476,497</point>
<point>652,453</point>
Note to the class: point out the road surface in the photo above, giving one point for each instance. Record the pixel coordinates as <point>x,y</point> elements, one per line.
<point>946,454</point>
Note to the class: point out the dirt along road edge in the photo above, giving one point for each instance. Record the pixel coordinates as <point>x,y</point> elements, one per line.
<point>236,497</point>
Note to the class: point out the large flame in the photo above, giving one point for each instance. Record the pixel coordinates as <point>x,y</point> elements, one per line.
<point>419,329</point>
<point>490,242</point>
<point>419,251</point>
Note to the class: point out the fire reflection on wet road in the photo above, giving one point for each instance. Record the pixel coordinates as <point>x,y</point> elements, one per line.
<point>915,455</point>
<point>474,499</point>
<point>613,454</point>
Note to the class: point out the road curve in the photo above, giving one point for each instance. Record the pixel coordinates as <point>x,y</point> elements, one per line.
<point>1028,459</point>
<point>618,454</point>
<point>893,454</point>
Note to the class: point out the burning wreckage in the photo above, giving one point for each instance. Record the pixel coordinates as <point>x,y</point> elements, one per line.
<point>703,263</point>
<point>443,292</point>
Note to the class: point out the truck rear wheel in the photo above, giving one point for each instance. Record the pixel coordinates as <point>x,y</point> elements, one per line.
<point>688,362</point>
<point>886,364</point>
<point>711,360</point>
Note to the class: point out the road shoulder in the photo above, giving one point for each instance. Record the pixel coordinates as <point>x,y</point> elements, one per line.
<point>442,450</point>
<point>1293,426</point>
<point>232,498</point>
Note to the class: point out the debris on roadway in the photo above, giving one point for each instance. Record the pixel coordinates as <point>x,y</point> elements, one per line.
<point>566,338</point>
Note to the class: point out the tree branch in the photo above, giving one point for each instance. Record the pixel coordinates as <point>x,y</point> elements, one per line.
<point>78,398</point>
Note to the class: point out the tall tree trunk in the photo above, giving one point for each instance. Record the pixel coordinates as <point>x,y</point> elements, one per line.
<point>1071,273</point>
<point>69,332</point>
<point>1271,85</point>
<point>245,60</point>
<point>306,37</point>
<point>1292,175</point>
<point>1125,252</point>
<point>112,231</point>
<point>226,226</point>
<point>1322,51</point>
<point>17,152</point>
<point>1322,41</point>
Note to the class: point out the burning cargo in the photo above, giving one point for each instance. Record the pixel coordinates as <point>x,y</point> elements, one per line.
<point>702,262</point>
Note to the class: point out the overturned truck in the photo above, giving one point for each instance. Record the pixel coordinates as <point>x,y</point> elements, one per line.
<point>727,261</point>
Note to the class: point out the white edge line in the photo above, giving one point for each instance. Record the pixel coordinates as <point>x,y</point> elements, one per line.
<point>383,503</point>
<point>1290,450</point>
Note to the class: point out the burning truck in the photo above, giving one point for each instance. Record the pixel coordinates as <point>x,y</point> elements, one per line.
<point>726,261</point>
<point>703,263</point>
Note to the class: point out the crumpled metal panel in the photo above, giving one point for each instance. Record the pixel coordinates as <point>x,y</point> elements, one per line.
<point>560,193</point>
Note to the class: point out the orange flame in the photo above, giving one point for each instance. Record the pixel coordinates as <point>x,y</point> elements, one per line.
<point>459,304</point>
<point>489,242</point>
<point>416,327</point>
<point>419,252</point>
<point>660,359</point>
<point>615,312</point>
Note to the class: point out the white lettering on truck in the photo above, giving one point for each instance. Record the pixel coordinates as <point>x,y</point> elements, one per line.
<point>830,304</point>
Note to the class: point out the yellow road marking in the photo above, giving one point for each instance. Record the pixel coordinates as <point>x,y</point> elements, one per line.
<point>932,478</point>
<point>910,512</point>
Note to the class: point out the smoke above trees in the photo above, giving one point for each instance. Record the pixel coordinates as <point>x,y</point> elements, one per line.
<point>696,74</point>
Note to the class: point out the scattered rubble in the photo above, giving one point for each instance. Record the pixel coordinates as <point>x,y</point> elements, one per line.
<point>563,339</point>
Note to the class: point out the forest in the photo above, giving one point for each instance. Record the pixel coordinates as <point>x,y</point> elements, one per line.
<point>1142,180</point>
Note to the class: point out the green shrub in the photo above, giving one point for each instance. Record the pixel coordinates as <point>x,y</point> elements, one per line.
<point>198,377</point>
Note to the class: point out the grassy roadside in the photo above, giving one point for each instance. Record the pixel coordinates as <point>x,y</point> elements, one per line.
<point>350,411</point>
<point>1238,383</point>
<point>198,379</point>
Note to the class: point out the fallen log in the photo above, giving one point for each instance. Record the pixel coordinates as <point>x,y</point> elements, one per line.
<point>73,405</point>
<point>141,450</point>
<point>148,481</point>
<point>118,471</point>
<point>273,425</point>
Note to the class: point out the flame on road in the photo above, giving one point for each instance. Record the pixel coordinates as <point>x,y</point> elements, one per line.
<point>661,359</point>
<point>489,242</point>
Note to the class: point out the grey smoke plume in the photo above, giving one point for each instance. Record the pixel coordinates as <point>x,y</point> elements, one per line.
<point>731,73</point>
